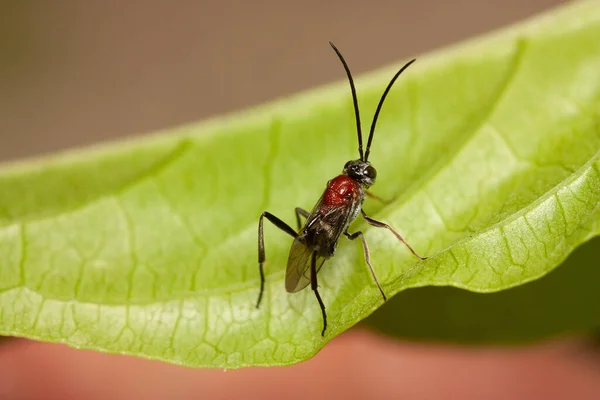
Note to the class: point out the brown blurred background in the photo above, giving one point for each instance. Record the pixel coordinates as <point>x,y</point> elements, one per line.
<point>77,72</point>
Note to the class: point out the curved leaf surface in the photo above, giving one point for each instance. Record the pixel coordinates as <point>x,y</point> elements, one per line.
<point>489,151</point>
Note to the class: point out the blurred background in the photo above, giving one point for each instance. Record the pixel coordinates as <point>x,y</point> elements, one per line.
<point>77,72</point>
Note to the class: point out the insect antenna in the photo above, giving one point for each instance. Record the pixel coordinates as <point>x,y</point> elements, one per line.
<point>354,99</point>
<point>387,89</point>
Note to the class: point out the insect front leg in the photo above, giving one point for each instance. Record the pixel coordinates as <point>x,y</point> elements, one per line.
<point>314,286</point>
<point>380,224</point>
<point>300,211</point>
<point>375,197</point>
<point>353,236</point>
<point>261,245</point>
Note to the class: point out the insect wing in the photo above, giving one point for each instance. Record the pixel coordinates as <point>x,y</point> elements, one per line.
<point>334,222</point>
<point>297,274</point>
<point>330,226</point>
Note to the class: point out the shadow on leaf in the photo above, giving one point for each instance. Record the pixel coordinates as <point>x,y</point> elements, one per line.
<point>557,304</point>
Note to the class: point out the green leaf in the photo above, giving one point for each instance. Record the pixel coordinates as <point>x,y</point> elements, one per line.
<point>564,301</point>
<point>489,150</point>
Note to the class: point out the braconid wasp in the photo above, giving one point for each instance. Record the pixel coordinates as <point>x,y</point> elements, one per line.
<point>339,205</point>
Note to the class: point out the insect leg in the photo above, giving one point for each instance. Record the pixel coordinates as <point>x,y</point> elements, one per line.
<point>261,245</point>
<point>300,211</point>
<point>374,196</point>
<point>353,236</point>
<point>314,286</point>
<point>380,224</point>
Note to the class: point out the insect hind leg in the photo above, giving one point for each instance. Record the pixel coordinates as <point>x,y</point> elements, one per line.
<point>355,235</point>
<point>261,246</point>
<point>318,269</point>
<point>315,288</point>
<point>300,212</point>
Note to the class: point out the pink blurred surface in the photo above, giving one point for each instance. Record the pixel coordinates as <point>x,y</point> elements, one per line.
<point>357,365</point>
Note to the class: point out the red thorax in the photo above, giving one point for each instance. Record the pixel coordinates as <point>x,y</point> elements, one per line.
<point>341,190</point>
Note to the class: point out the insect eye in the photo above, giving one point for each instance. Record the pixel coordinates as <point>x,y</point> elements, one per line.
<point>370,172</point>
<point>347,165</point>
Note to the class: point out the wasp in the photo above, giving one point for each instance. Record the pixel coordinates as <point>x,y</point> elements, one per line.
<point>339,205</point>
